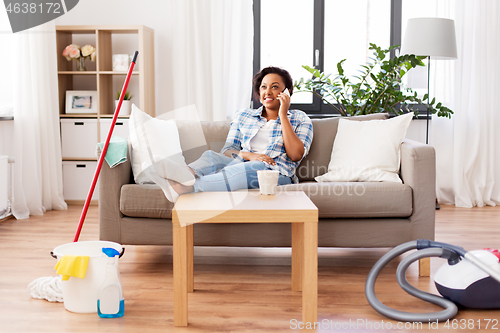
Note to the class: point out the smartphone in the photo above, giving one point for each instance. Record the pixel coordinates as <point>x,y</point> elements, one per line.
<point>286,92</point>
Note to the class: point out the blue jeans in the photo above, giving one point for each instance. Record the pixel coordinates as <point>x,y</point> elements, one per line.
<point>216,172</point>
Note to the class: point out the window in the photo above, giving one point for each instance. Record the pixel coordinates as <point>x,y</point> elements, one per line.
<point>320,33</point>
<point>350,34</point>
<point>280,37</point>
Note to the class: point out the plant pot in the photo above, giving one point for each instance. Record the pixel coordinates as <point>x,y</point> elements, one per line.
<point>125,109</point>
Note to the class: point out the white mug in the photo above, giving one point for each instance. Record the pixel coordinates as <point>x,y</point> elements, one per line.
<point>268,181</point>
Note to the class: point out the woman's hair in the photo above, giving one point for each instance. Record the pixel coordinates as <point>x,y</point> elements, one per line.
<point>257,79</point>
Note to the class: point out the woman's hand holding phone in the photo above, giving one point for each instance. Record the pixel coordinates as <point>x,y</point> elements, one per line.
<point>284,99</point>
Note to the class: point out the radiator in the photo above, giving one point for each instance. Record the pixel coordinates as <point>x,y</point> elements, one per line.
<point>4,187</point>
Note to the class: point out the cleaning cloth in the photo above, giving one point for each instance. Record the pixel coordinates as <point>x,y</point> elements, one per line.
<point>117,151</point>
<point>70,265</point>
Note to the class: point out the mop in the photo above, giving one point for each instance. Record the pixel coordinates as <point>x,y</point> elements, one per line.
<point>104,150</point>
<point>49,288</point>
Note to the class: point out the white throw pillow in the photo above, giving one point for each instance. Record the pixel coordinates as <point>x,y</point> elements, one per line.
<point>367,151</point>
<point>152,140</point>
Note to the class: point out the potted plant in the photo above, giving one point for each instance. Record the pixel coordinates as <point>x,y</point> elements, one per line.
<point>125,109</point>
<point>378,88</point>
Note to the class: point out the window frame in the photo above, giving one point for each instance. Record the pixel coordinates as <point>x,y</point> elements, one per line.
<point>318,109</point>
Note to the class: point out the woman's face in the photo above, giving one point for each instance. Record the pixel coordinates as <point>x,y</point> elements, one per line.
<point>270,87</point>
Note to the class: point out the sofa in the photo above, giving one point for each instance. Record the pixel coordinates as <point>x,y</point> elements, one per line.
<point>351,214</point>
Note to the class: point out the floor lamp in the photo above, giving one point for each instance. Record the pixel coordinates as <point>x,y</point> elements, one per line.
<point>430,37</point>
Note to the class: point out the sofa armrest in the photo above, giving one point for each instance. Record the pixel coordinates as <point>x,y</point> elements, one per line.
<point>111,181</point>
<point>418,170</point>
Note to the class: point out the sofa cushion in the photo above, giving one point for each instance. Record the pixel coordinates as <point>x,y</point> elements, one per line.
<point>197,137</point>
<point>325,129</point>
<point>357,199</point>
<point>145,201</point>
<point>367,151</point>
<point>152,140</point>
<point>334,200</point>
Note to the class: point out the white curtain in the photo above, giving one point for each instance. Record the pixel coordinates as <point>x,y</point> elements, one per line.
<point>468,145</point>
<point>37,149</point>
<point>212,50</point>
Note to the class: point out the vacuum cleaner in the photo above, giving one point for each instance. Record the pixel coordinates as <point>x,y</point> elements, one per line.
<point>468,279</point>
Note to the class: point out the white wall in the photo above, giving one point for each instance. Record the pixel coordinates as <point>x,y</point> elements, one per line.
<point>155,14</point>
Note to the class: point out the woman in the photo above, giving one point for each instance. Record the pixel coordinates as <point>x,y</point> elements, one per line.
<point>270,137</point>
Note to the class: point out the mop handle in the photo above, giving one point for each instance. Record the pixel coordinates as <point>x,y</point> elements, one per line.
<point>104,150</point>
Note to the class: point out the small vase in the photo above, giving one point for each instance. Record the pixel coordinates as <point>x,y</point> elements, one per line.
<point>80,64</point>
<point>125,108</point>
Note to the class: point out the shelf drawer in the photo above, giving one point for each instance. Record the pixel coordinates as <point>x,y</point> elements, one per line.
<point>77,178</point>
<point>121,128</point>
<point>79,138</point>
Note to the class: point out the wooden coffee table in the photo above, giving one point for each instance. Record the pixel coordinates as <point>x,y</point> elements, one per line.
<point>247,207</point>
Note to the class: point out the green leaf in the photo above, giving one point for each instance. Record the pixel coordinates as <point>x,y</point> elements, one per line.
<point>339,67</point>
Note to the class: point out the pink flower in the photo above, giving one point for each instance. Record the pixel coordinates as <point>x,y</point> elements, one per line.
<point>66,52</point>
<point>74,53</point>
<point>92,56</point>
<point>71,52</point>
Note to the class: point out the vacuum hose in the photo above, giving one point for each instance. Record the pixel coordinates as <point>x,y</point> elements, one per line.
<point>450,309</point>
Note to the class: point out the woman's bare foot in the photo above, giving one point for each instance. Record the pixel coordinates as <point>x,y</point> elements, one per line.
<point>179,188</point>
<point>171,170</point>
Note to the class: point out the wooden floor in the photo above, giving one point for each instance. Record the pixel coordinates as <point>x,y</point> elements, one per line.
<point>240,290</point>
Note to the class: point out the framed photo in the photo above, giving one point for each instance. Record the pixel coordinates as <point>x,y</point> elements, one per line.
<point>120,62</point>
<point>81,101</point>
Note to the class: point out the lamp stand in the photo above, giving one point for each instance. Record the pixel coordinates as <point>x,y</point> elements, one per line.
<point>428,98</point>
<point>428,113</point>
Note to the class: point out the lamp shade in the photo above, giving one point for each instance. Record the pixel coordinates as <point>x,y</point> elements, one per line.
<point>432,37</point>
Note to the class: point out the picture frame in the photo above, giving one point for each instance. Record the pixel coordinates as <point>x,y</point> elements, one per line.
<point>120,62</point>
<point>81,101</point>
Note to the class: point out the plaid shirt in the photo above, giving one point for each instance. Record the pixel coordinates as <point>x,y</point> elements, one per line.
<point>248,122</point>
